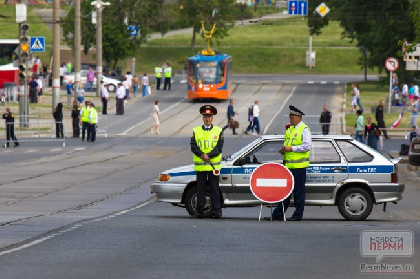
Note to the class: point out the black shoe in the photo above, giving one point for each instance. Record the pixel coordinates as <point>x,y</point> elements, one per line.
<point>16,144</point>
<point>197,216</point>
<point>293,219</point>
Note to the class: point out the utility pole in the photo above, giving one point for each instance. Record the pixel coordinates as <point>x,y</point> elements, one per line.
<point>23,50</point>
<point>56,55</point>
<point>98,6</point>
<point>77,40</point>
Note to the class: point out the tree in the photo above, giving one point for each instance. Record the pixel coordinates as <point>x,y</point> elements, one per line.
<point>219,12</point>
<point>147,15</point>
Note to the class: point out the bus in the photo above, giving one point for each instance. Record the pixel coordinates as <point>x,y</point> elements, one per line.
<point>209,76</point>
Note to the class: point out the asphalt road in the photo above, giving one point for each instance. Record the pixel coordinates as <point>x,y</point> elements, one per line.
<point>85,210</point>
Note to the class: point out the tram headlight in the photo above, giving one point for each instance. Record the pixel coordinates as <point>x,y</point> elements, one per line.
<point>200,85</point>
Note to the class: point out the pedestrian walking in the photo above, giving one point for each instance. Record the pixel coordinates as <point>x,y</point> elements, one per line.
<point>158,75</point>
<point>75,112</point>
<point>84,120</point>
<point>135,84</point>
<point>9,118</point>
<point>33,91</point>
<point>297,145</point>
<point>379,116</point>
<point>90,78</point>
<point>69,67</point>
<point>80,94</point>
<point>70,93</point>
<point>255,119</point>
<point>120,95</point>
<point>129,78</point>
<point>230,117</point>
<point>144,84</point>
<point>93,121</point>
<point>39,88</point>
<point>358,98</point>
<point>168,75</point>
<point>250,117</point>
<point>353,102</point>
<point>404,93</point>
<point>156,118</point>
<point>414,110</point>
<point>325,120</point>
<point>58,117</point>
<point>372,133</point>
<point>359,125</point>
<point>206,146</point>
<point>104,97</point>
<point>126,89</point>
<point>62,70</point>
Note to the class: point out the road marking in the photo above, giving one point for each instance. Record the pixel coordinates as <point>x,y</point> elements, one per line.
<point>323,82</point>
<point>76,226</point>
<point>55,149</point>
<point>265,182</point>
<point>336,82</point>
<point>278,111</point>
<point>311,82</point>
<point>147,119</point>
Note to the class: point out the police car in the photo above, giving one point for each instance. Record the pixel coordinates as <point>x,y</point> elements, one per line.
<point>343,172</point>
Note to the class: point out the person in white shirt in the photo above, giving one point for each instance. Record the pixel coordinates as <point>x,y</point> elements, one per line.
<point>62,70</point>
<point>127,89</point>
<point>129,77</point>
<point>39,81</point>
<point>404,93</point>
<point>156,117</point>
<point>416,90</point>
<point>120,94</point>
<point>105,97</point>
<point>144,84</point>
<point>255,119</point>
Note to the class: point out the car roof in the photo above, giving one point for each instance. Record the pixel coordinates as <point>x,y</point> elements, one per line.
<point>342,137</point>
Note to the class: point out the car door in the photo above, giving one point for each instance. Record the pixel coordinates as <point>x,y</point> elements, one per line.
<point>326,169</point>
<point>267,151</point>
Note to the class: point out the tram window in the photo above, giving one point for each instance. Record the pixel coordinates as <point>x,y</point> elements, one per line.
<point>207,72</point>
<point>191,71</point>
<point>221,71</point>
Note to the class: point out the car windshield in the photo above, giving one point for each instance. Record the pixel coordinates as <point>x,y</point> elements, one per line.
<point>207,72</point>
<point>243,149</point>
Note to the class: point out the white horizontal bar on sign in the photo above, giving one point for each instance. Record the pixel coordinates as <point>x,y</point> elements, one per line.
<point>263,182</point>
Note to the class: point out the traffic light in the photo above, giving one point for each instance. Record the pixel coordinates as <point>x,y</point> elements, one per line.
<point>24,42</point>
<point>22,73</point>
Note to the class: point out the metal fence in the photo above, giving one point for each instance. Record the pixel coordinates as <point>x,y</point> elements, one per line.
<point>316,128</point>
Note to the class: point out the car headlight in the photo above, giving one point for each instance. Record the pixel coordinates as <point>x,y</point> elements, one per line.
<point>163,177</point>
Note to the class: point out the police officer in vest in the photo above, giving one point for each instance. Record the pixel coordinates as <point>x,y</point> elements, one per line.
<point>297,144</point>
<point>93,120</point>
<point>206,145</point>
<point>168,75</point>
<point>84,120</point>
<point>9,118</point>
<point>158,75</point>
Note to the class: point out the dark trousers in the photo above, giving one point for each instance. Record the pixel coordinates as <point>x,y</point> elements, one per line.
<point>158,83</point>
<point>381,124</point>
<point>299,176</point>
<point>59,133</point>
<point>92,128</point>
<point>76,128</point>
<point>120,106</point>
<point>10,134</point>
<point>256,124</point>
<point>167,83</point>
<point>104,105</point>
<point>33,96</point>
<point>202,178</point>
<point>85,126</point>
<point>325,129</point>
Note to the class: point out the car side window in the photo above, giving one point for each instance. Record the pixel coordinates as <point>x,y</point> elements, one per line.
<point>323,152</point>
<point>267,152</point>
<point>353,153</point>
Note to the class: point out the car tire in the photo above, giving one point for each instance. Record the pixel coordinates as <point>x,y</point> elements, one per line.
<point>355,204</point>
<point>191,202</point>
<point>111,87</point>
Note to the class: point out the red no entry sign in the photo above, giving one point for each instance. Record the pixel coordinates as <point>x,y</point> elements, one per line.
<point>271,182</point>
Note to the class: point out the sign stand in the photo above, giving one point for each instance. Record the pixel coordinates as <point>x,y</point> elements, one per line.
<point>391,64</point>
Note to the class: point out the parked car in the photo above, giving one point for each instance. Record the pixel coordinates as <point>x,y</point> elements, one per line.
<point>112,83</point>
<point>343,172</point>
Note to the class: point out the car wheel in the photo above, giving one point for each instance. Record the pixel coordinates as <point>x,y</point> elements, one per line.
<point>355,204</point>
<point>191,202</point>
<point>111,88</point>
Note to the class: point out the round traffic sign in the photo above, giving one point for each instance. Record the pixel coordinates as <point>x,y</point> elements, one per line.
<point>391,64</point>
<point>271,182</point>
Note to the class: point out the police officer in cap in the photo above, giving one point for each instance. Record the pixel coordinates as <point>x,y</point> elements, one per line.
<point>9,117</point>
<point>206,146</point>
<point>297,144</point>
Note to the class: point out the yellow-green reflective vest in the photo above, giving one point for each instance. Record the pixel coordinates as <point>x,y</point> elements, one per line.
<point>94,115</point>
<point>293,137</point>
<point>85,114</point>
<point>168,72</point>
<point>207,141</point>
<point>158,72</point>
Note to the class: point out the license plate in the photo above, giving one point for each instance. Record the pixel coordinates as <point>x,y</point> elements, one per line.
<point>206,89</point>
<point>416,146</point>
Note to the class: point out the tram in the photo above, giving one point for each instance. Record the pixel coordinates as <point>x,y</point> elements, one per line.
<point>209,73</point>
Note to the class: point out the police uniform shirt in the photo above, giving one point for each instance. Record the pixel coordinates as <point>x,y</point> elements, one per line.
<point>306,141</point>
<point>120,94</point>
<point>216,150</point>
